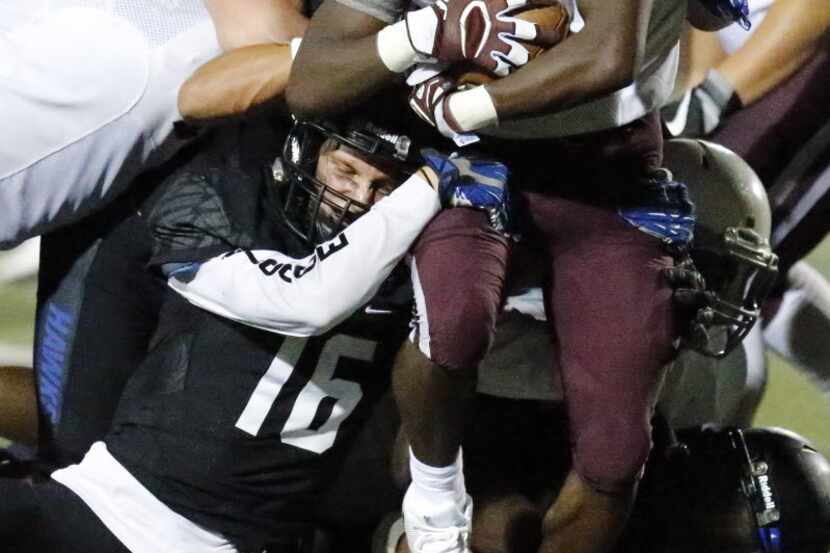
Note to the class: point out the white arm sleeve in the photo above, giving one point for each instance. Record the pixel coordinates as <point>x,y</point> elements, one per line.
<point>303,297</point>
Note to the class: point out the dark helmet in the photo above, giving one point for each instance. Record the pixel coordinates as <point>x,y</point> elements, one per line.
<point>303,194</point>
<point>731,243</point>
<point>761,490</point>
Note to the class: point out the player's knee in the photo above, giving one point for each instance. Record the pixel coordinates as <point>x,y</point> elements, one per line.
<point>458,273</point>
<point>459,341</point>
<point>610,454</point>
<point>457,333</point>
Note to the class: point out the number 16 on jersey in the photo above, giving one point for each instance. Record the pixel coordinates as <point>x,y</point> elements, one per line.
<point>343,396</point>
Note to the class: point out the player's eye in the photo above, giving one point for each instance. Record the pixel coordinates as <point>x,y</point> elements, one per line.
<point>384,188</point>
<point>344,168</point>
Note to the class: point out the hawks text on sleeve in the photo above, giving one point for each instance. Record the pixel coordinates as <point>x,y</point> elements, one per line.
<point>304,297</point>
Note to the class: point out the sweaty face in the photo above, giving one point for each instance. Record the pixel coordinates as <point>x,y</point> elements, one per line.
<point>325,180</point>
<point>353,177</point>
<point>345,170</point>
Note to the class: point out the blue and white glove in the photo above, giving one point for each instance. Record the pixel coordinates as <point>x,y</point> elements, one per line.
<point>666,211</point>
<point>470,182</point>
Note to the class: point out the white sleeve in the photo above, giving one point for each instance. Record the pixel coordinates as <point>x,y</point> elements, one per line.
<point>303,297</point>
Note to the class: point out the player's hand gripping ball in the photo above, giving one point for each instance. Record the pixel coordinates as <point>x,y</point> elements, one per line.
<point>493,35</point>
<point>427,101</point>
<point>432,85</point>
<point>552,20</point>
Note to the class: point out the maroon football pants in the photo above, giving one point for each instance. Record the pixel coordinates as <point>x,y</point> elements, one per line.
<point>609,309</point>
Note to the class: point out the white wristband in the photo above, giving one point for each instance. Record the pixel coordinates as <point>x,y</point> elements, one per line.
<point>294,45</point>
<point>394,48</point>
<point>473,109</point>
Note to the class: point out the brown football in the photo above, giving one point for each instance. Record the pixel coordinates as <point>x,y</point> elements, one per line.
<point>553,17</point>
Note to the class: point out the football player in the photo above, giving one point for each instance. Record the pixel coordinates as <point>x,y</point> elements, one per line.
<point>79,383</point>
<point>731,249</point>
<point>513,467</point>
<point>578,125</point>
<point>97,303</point>
<point>761,94</point>
<point>262,361</point>
<point>104,128</point>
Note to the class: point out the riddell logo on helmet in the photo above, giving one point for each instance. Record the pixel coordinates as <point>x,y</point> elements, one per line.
<point>766,492</point>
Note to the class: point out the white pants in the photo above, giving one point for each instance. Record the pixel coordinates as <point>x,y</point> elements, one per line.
<point>800,329</point>
<point>86,102</point>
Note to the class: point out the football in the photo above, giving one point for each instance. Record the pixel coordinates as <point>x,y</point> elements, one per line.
<point>554,17</point>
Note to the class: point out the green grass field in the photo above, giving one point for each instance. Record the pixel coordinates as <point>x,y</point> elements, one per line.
<point>791,401</point>
<point>17,306</point>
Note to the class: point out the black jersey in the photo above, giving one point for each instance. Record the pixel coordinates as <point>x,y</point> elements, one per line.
<point>239,429</point>
<point>97,303</point>
<point>264,362</point>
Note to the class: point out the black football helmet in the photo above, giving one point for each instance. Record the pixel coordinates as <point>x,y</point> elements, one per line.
<point>731,242</point>
<point>302,194</point>
<point>761,490</point>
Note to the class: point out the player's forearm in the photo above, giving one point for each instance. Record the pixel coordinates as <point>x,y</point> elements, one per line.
<point>783,41</point>
<point>377,243</point>
<point>236,82</point>
<point>338,65</point>
<point>548,84</point>
<point>605,56</point>
<point>700,51</point>
<point>329,77</point>
<point>239,24</point>
<point>302,297</point>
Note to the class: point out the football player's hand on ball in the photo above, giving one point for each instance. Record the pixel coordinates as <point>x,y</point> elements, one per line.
<point>693,300</point>
<point>470,182</point>
<point>428,101</point>
<point>483,32</point>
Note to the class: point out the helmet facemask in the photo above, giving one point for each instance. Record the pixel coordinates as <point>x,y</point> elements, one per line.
<point>314,210</point>
<point>731,242</point>
<point>742,270</point>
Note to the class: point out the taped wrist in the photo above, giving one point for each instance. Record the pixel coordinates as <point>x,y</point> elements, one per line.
<point>395,49</point>
<point>471,109</point>
<point>421,29</point>
<point>721,91</point>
